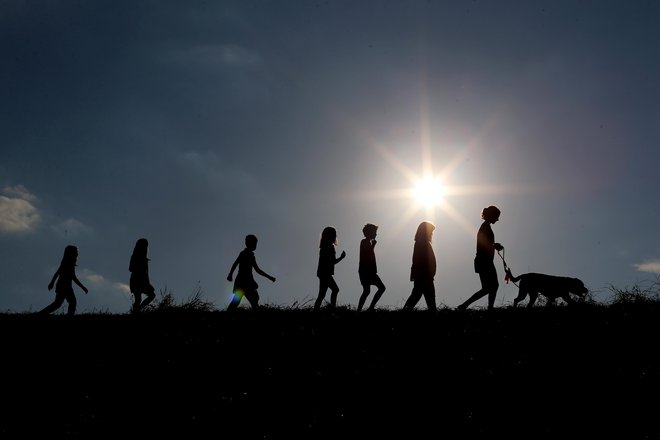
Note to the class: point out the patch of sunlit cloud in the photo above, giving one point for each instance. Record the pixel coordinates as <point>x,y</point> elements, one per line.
<point>72,228</point>
<point>19,192</point>
<point>105,293</point>
<point>92,277</point>
<point>649,266</point>
<point>122,287</point>
<point>17,213</point>
<point>99,282</point>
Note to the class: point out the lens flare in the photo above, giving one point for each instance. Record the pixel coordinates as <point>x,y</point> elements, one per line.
<point>429,192</point>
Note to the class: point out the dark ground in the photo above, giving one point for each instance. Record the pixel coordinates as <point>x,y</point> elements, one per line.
<point>562,372</point>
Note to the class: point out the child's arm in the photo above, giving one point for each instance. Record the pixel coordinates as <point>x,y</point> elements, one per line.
<point>341,257</point>
<point>258,270</point>
<point>231,272</point>
<point>77,281</point>
<point>52,281</point>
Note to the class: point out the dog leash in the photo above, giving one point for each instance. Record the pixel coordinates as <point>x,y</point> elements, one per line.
<point>507,271</point>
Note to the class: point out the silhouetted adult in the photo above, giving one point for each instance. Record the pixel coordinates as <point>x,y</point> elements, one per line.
<point>139,282</point>
<point>326,268</point>
<point>65,276</point>
<point>483,261</point>
<point>423,268</point>
<point>367,269</point>
<point>245,285</point>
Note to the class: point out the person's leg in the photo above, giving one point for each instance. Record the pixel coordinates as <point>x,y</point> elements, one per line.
<point>485,276</point>
<point>381,288</point>
<point>56,304</point>
<point>492,285</point>
<point>414,297</point>
<point>253,298</point>
<point>334,290</point>
<point>491,297</point>
<point>429,296</point>
<point>323,288</point>
<point>366,288</point>
<point>235,300</point>
<point>476,296</point>
<point>150,292</point>
<point>137,296</point>
<point>71,299</point>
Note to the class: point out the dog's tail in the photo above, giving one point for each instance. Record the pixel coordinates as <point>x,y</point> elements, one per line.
<point>509,276</point>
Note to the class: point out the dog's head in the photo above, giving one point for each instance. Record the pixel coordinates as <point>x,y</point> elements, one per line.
<point>577,287</point>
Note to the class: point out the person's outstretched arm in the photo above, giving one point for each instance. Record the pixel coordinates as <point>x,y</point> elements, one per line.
<point>258,270</point>
<point>231,271</point>
<point>52,281</point>
<point>77,281</point>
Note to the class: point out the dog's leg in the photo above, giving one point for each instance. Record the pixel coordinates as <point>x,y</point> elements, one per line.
<point>533,294</point>
<point>566,296</point>
<point>521,295</point>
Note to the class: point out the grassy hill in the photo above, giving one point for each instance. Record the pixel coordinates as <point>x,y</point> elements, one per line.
<point>540,373</point>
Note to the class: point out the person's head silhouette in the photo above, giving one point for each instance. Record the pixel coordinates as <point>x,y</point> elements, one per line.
<point>70,255</point>
<point>491,214</point>
<point>370,230</point>
<point>424,231</point>
<point>141,247</point>
<point>328,236</point>
<point>251,242</point>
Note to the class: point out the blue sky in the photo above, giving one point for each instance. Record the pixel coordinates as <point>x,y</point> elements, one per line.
<point>195,123</point>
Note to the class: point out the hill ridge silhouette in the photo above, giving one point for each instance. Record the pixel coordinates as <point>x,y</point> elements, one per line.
<point>540,373</point>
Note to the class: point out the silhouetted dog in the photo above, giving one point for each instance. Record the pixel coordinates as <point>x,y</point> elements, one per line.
<point>552,287</point>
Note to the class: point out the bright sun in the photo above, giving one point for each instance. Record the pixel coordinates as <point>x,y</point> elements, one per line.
<point>428,192</point>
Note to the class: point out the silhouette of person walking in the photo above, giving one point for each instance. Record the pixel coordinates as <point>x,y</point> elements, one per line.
<point>245,285</point>
<point>139,282</point>
<point>483,261</point>
<point>367,267</point>
<point>326,267</point>
<point>65,275</point>
<point>423,268</point>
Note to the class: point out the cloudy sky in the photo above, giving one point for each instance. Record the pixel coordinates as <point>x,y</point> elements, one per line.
<point>195,123</point>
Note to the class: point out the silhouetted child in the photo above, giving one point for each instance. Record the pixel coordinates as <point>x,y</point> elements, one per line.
<point>326,267</point>
<point>367,267</point>
<point>483,261</point>
<point>65,275</point>
<point>245,285</point>
<point>423,268</point>
<point>139,268</point>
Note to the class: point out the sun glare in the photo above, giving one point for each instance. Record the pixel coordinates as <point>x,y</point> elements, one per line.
<point>428,192</point>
